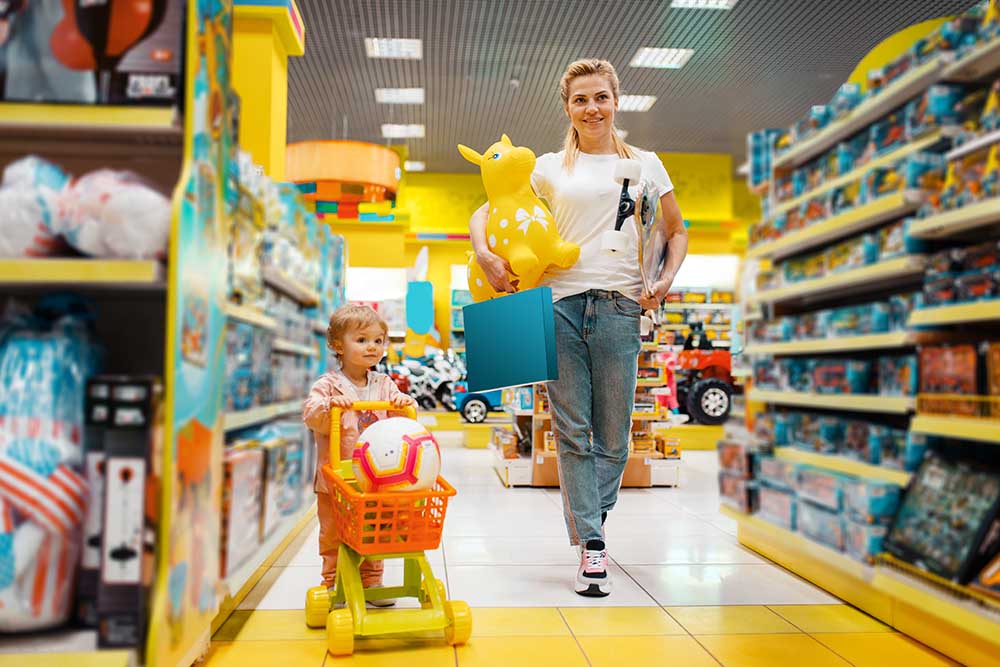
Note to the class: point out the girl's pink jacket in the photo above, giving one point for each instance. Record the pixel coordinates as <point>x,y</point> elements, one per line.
<point>316,415</point>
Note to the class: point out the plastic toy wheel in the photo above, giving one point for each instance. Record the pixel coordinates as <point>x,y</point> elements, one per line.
<point>460,622</point>
<point>426,604</point>
<point>340,632</point>
<point>709,401</point>
<point>317,606</point>
<point>475,410</point>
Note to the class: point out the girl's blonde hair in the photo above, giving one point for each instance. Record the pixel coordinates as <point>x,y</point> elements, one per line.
<point>577,69</point>
<point>350,317</point>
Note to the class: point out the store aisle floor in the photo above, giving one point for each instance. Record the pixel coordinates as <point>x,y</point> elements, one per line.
<point>685,592</point>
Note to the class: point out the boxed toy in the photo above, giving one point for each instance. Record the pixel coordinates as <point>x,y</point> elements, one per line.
<point>778,474</point>
<point>783,426</point>
<point>822,487</point>
<point>868,501</point>
<point>978,285</point>
<point>898,448</point>
<point>937,107</point>
<point>741,494</point>
<point>817,433</point>
<point>777,506</point>
<point>993,376</point>
<point>948,521</point>
<point>241,506</point>
<point>97,410</point>
<point>736,459</point>
<point>820,525</point>
<point>857,441</point>
<point>949,369</point>
<point>839,376</point>
<point>863,541</point>
<point>853,253</point>
<point>897,375</point>
<point>900,307</point>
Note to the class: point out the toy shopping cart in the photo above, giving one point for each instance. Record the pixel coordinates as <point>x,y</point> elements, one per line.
<point>378,526</point>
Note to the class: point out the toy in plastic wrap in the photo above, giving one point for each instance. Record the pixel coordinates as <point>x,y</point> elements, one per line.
<point>900,307</point>
<point>898,448</point>
<point>863,541</point>
<point>783,426</point>
<point>520,228</point>
<point>738,493</point>
<point>886,135</point>
<point>736,459</point>
<point>853,253</point>
<point>818,433</point>
<point>840,376</point>
<point>897,376</point>
<point>894,241</point>
<point>822,487</point>
<point>870,502</point>
<point>29,204</point>
<point>993,376</point>
<point>44,365</point>
<point>847,97</point>
<point>940,105</point>
<point>951,370</point>
<point>777,506</point>
<point>820,525</point>
<point>948,521</point>
<point>778,474</point>
<point>857,440</point>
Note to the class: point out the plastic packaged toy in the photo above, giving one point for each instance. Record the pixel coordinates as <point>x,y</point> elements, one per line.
<point>817,433</point>
<point>937,107</point>
<point>29,204</point>
<point>898,448</point>
<point>978,285</point>
<point>822,487</point>
<point>847,97</point>
<point>940,290</point>
<point>738,493</point>
<point>853,253</point>
<point>863,541</point>
<point>900,307</point>
<point>953,370</point>
<point>897,375</point>
<point>857,441</point>
<point>839,376</point>
<point>777,506</point>
<point>735,459</point>
<point>784,426</point>
<point>821,525</point>
<point>868,501</point>
<point>778,474</point>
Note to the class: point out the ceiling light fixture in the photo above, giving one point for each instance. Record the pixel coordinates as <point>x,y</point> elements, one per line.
<point>390,131</point>
<point>661,58</point>
<point>383,47</point>
<point>414,165</point>
<point>636,102</point>
<point>703,4</point>
<point>399,95</point>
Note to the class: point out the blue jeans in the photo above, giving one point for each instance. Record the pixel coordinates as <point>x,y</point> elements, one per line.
<point>597,342</point>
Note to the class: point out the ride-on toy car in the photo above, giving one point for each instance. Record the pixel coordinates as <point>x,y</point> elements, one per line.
<point>704,380</point>
<point>474,406</point>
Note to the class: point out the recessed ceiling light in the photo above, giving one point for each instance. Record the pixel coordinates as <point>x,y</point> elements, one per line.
<point>703,4</point>
<point>636,102</point>
<point>661,58</point>
<point>399,95</point>
<point>390,131</point>
<point>380,47</point>
<point>621,133</point>
<point>414,165</point>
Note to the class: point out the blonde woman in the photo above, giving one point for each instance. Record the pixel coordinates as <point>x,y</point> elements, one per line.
<point>598,303</point>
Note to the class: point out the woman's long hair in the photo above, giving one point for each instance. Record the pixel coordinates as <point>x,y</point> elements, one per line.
<point>586,68</point>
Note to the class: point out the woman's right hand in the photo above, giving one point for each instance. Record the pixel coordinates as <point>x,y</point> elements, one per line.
<point>496,269</point>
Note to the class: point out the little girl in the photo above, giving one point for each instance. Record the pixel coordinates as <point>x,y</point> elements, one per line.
<point>358,336</point>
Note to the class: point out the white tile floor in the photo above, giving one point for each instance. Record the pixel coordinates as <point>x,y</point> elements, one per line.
<point>508,548</point>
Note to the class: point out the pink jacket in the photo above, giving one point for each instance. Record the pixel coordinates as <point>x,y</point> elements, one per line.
<point>316,415</point>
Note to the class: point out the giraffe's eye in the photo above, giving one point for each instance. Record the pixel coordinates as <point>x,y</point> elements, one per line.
<point>495,156</point>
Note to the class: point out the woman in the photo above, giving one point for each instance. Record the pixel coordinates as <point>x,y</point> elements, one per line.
<point>598,303</point>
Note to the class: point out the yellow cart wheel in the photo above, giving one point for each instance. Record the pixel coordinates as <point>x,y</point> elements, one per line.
<point>460,622</point>
<point>426,604</point>
<point>340,632</point>
<point>317,606</point>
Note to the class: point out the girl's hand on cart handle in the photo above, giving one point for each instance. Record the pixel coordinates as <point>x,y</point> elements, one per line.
<point>341,402</point>
<point>402,400</point>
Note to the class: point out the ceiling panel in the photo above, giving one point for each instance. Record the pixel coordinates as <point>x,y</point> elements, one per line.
<point>494,66</point>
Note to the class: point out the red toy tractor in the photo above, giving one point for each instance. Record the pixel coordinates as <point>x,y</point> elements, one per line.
<point>704,381</point>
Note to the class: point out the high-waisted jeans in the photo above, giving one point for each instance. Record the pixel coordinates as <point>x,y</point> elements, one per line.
<point>597,340</point>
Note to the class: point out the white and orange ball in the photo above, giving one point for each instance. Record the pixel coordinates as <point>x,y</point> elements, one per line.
<point>396,454</point>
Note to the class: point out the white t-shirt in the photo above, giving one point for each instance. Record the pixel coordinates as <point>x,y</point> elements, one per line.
<point>585,205</point>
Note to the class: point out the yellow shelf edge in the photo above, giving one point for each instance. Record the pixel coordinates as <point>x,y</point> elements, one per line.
<point>894,268</point>
<point>976,64</point>
<point>88,116</point>
<point>849,222</point>
<point>960,313</point>
<point>242,418</point>
<point>841,344</point>
<point>845,465</point>
<point>957,221</point>
<point>855,402</point>
<point>965,428</point>
<point>857,173</point>
<point>81,270</point>
<point>295,289</point>
<point>252,315</point>
<point>282,345</point>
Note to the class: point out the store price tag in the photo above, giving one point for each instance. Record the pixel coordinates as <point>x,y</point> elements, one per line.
<point>539,459</point>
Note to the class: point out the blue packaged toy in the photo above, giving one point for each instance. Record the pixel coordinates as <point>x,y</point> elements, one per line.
<point>900,307</point>
<point>898,448</point>
<point>857,441</point>
<point>863,541</point>
<point>840,376</point>
<point>822,487</point>
<point>937,107</point>
<point>869,501</point>
<point>820,525</point>
<point>777,506</point>
<point>848,96</point>
<point>785,426</point>
<point>778,474</point>
<point>897,375</point>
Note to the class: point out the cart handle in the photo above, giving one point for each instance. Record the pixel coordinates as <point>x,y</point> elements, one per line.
<point>335,413</point>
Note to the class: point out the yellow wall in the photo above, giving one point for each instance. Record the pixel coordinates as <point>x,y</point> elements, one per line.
<point>260,76</point>
<point>703,183</point>
<point>441,202</point>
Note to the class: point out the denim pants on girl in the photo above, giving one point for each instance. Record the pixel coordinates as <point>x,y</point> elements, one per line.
<point>597,342</point>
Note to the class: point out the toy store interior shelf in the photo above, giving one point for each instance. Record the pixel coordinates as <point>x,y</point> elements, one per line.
<point>319,326</point>
<point>880,341</point>
<point>288,347</point>
<point>966,428</point>
<point>844,465</point>
<point>959,313</point>
<point>83,271</point>
<point>958,221</point>
<point>882,275</point>
<point>896,93</point>
<point>252,315</point>
<point>900,405</point>
<point>980,142</point>
<point>922,143</point>
<point>850,222</point>
<point>518,413</point>
<point>242,418</point>
<point>650,383</point>
<point>977,64</point>
<point>238,584</point>
<point>293,288</point>
<point>673,306</point>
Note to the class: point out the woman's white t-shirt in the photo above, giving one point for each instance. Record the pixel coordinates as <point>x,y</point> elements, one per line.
<point>585,205</point>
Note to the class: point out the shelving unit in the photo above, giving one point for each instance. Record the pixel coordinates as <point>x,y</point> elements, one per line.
<point>899,405</point>
<point>959,222</point>
<point>120,274</point>
<point>975,65</point>
<point>965,428</point>
<point>232,421</point>
<point>881,341</point>
<point>960,313</point>
<point>674,306</point>
<point>973,145</point>
<point>293,288</point>
<point>842,464</point>
<point>288,347</point>
<point>251,315</point>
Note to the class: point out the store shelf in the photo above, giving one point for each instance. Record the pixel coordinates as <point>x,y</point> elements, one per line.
<point>319,326</point>
<point>288,347</point>
<point>518,413</point>
<point>850,222</point>
<point>957,222</point>
<point>650,347</point>
<point>977,64</point>
<point>973,145</point>
<point>685,327</point>
<point>896,93</point>
<point>107,273</point>
<point>293,288</point>
<point>965,428</point>
<point>890,158</point>
<point>650,383</point>
<point>882,275</point>
<point>698,306</point>
<point>960,313</point>
<point>899,405</point>
<point>646,416</point>
<point>243,418</point>
<point>881,341</point>
<point>844,465</point>
<point>251,315</point>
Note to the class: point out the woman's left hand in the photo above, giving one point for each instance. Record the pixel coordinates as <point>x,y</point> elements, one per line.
<point>660,289</point>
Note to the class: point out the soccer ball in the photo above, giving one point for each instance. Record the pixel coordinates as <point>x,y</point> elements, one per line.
<point>396,454</point>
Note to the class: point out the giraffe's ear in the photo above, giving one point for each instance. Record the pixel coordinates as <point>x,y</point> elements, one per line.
<point>504,139</point>
<point>470,155</point>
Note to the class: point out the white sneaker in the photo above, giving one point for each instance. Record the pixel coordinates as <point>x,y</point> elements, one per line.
<point>593,579</point>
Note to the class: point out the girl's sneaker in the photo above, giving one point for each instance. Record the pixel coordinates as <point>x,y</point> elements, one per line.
<point>593,579</point>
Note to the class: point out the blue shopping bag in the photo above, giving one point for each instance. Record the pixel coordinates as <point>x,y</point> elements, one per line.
<point>510,340</point>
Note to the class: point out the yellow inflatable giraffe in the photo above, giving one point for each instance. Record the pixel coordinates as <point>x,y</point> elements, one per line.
<point>520,227</point>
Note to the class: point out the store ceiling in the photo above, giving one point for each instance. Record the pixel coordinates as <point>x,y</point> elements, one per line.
<point>492,66</point>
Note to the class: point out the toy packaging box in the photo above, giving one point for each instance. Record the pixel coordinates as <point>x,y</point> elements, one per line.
<point>736,459</point>
<point>897,376</point>
<point>741,494</point>
<point>822,488</point>
<point>949,369</point>
<point>821,525</point>
<point>870,502</point>
<point>241,506</point>
<point>898,448</point>
<point>97,406</point>
<point>948,521</point>
<point>778,474</point>
<point>777,506</point>
<point>863,541</point>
